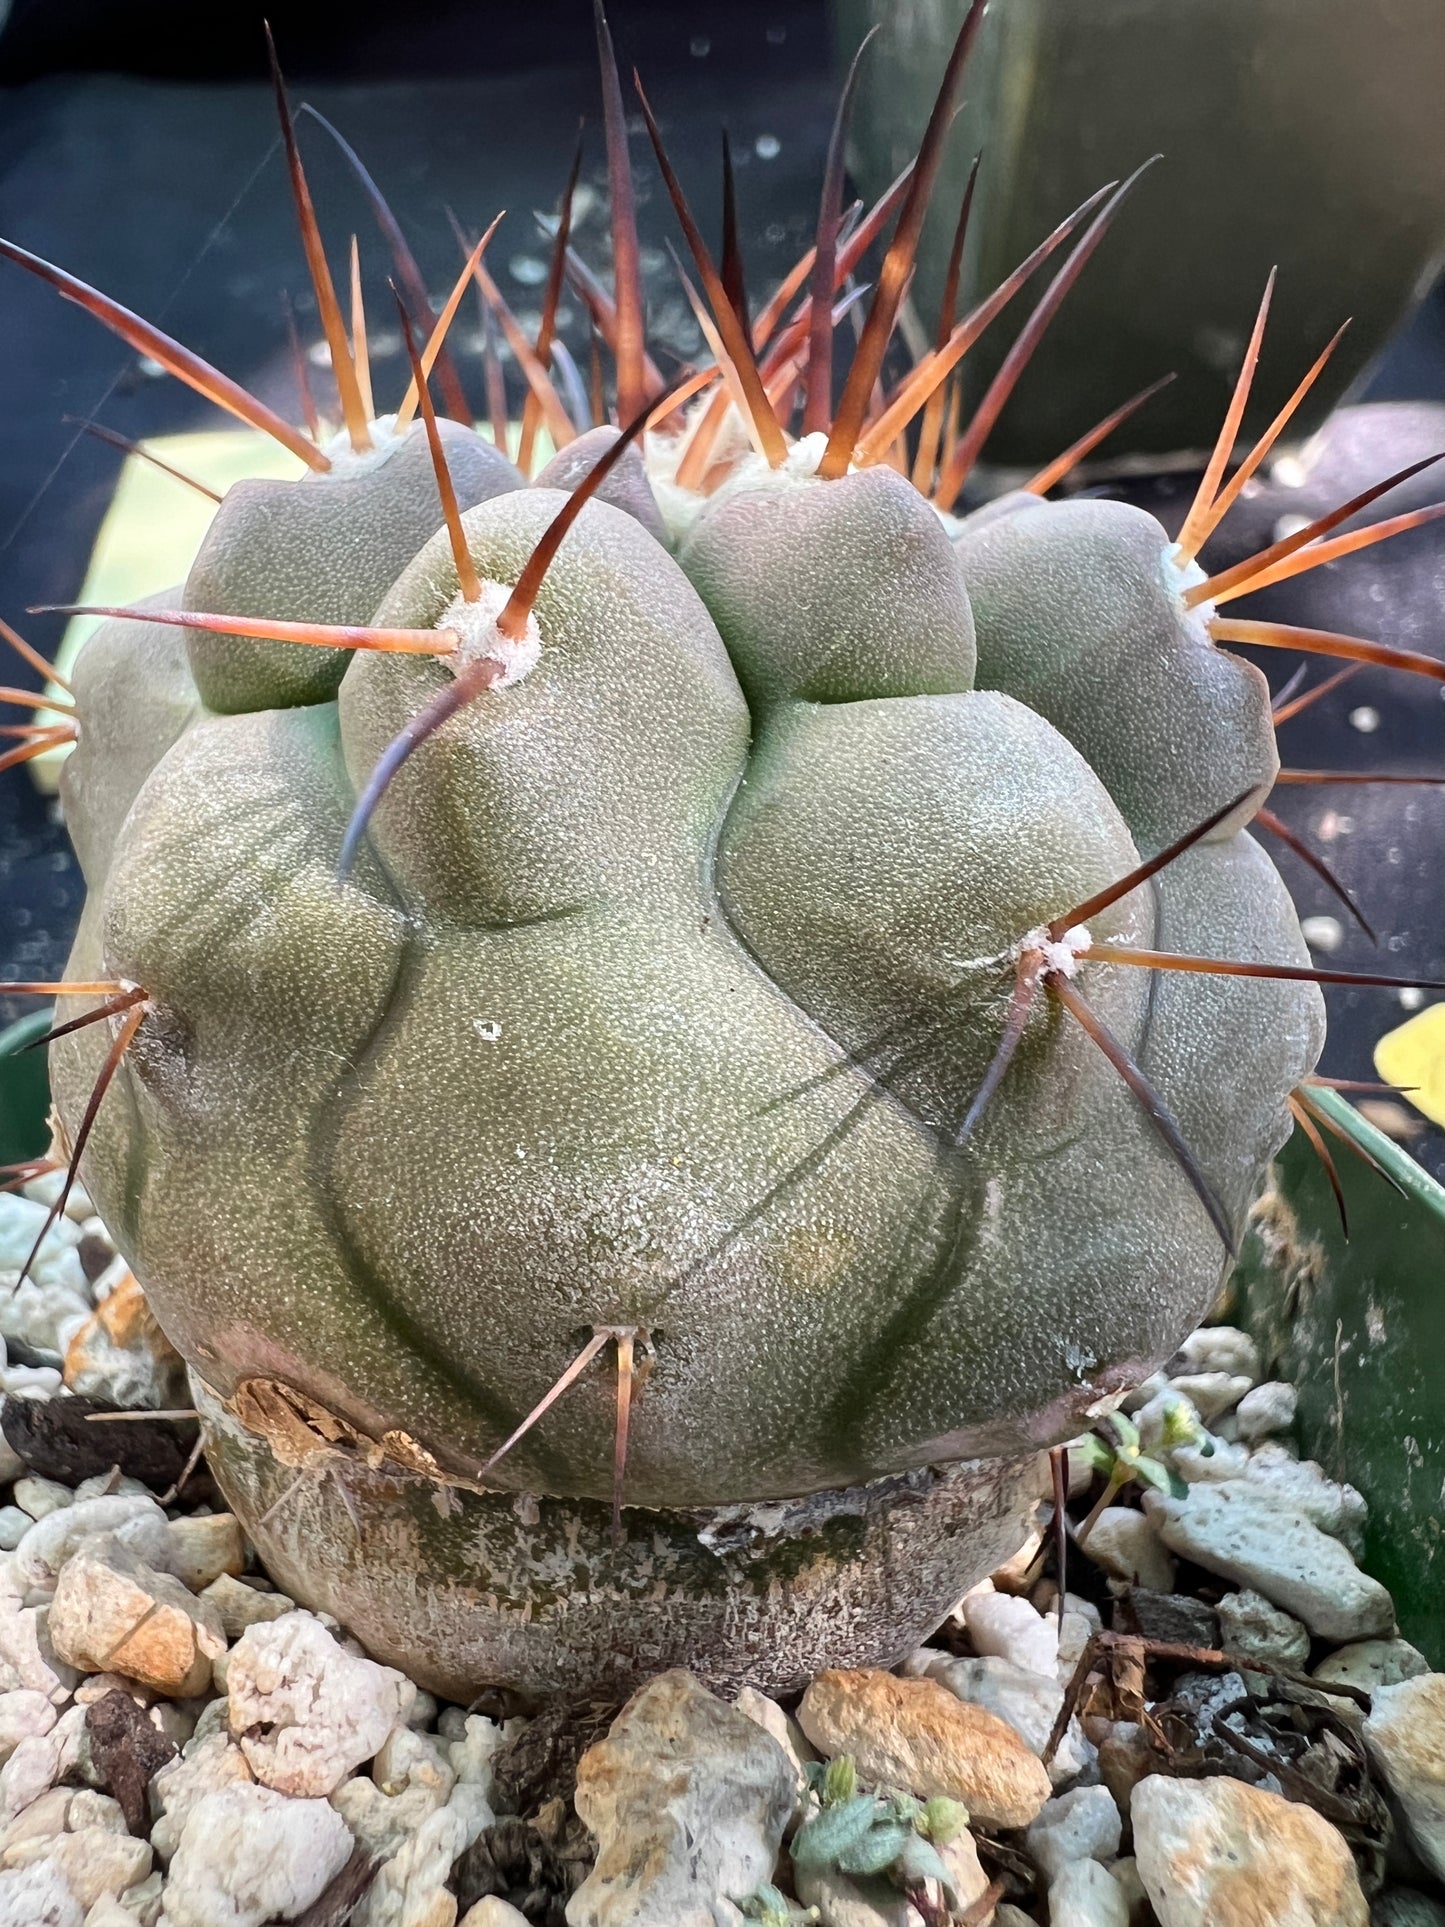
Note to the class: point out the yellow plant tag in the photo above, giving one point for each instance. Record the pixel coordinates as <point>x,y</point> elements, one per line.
<point>152,530</point>
<point>1414,1057</point>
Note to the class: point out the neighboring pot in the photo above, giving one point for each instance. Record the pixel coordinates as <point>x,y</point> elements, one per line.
<point>24,1087</point>
<point>1303,133</point>
<point>1357,1325</point>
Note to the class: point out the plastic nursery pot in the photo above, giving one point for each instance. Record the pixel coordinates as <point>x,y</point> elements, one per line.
<point>1302,133</point>
<point>24,1088</point>
<point>1358,1327</point>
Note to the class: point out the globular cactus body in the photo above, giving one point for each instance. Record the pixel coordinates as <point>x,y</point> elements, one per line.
<point>724,1073</point>
<point>656,1008</point>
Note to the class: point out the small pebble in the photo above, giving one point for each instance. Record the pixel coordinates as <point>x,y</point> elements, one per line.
<point>39,1497</point>
<point>1087,1895</point>
<point>113,1611</point>
<point>1405,1738</point>
<point>1173,1617</point>
<point>1008,1627</point>
<point>1212,1393</point>
<point>1252,1629</point>
<point>1239,1533</point>
<point>37,1897</point>
<point>1028,1702</point>
<point>785,1730</point>
<point>1082,1825</point>
<point>423,1712</point>
<point>14,1524</point>
<point>248,1855</point>
<point>1015,1575</point>
<point>306,1712</point>
<point>1219,1348</point>
<point>24,1715</point>
<point>91,1809</point>
<point>111,1485</point>
<point>916,1735</point>
<point>206,1546</point>
<point>1268,1409</point>
<point>1406,1907</point>
<point>1218,1853</point>
<point>95,1861</point>
<point>241,1605</point>
<point>1372,1662</point>
<point>1126,1545</point>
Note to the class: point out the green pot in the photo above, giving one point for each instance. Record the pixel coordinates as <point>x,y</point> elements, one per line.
<point>1359,1327</point>
<point>1299,132</point>
<point>24,1089</point>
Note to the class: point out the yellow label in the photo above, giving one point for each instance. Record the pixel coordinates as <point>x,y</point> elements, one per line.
<point>1414,1057</point>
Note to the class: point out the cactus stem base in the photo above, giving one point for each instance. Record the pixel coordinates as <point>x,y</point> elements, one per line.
<point>465,1589</point>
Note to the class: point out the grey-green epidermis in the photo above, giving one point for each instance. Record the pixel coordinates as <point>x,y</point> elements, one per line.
<point>653,1005</point>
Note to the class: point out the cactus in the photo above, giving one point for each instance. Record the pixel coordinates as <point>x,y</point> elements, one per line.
<point>693,992</point>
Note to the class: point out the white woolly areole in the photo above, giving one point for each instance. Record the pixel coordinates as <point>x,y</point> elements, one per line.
<point>347,462</point>
<point>1062,956</point>
<point>798,469</point>
<point>1181,577</point>
<point>479,639</point>
<point>678,507</point>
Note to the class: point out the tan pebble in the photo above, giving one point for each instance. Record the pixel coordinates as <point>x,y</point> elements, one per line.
<point>1014,1575</point>
<point>493,1912</point>
<point>206,1546</point>
<point>112,1612</point>
<point>108,1912</point>
<point>41,1820</point>
<point>92,1809</point>
<point>1218,1853</point>
<point>241,1605</point>
<point>122,1348</point>
<point>95,1861</point>
<point>914,1734</point>
<point>1405,1734</point>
